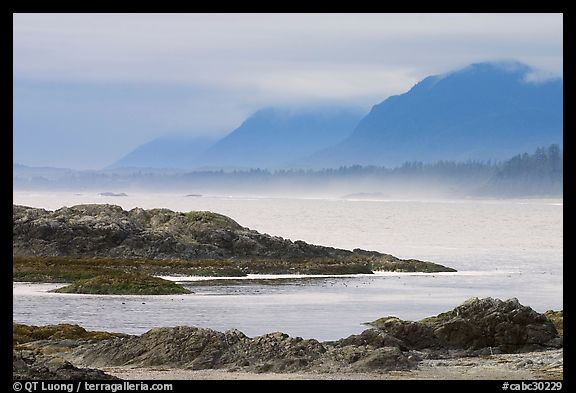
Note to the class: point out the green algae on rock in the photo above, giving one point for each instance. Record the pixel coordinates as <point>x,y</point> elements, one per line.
<point>67,269</point>
<point>557,318</point>
<point>124,284</point>
<point>22,333</point>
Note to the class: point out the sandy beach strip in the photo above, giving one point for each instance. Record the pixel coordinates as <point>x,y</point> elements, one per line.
<point>546,365</point>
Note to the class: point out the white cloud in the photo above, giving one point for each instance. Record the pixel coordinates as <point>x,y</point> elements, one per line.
<point>539,76</point>
<point>234,64</point>
<point>359,84</point>
<point>202,48</point>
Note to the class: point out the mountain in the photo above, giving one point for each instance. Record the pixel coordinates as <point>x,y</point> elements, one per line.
<point>484,111</point>
<point>166,152</point>
<point>276,137</point>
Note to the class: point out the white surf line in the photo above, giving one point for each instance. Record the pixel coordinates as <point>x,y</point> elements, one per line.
<point>303,276</point>
<point>35,288</point>
<point>259,277</point>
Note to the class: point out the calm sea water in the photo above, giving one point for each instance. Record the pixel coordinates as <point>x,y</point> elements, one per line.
<point>502,248</point>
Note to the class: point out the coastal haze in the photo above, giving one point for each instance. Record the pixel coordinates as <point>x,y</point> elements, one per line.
<point>486,130</point>
<point>90,88</point>
<point>418,137</point>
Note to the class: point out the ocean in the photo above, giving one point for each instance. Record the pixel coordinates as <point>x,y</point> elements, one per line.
<point>501,248</point>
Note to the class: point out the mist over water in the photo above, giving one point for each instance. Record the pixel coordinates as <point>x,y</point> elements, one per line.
<point>415,149</point>
<point>501,248</point>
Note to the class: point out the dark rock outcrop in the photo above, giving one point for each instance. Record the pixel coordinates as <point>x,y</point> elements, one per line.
<point>468,330</point>
<point>477,324</point>
<point>385,358</point>
<point>364,358</point>
<point>412,335</point>
<point>372,337</point>
<point>197,348</point>
<point>506,325</point>
<point>33,365</point>
<point>109,231</point>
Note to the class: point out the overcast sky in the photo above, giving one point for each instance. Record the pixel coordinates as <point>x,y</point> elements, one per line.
<point>88,88</point>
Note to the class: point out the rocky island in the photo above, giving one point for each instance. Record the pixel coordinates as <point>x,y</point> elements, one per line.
<point>485,335</point>
<point>121,283</point>
<point>87,241</point>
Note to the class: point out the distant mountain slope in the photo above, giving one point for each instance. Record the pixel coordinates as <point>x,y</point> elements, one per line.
<point>484,111</point>
<point>166,152</point>
<point>275,137</point>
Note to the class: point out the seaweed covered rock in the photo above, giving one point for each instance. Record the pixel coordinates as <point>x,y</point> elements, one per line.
<point>22,334</point>
<point>557,318</point>
<point>121,283</point>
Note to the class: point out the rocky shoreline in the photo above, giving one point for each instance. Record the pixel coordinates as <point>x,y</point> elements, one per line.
<point>189,243</point>
<point>480,331</point>
<point>103,249</point>
<point>545,365</point>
